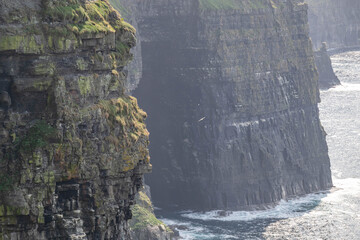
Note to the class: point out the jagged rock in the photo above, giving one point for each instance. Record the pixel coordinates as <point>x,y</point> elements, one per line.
<point>74,145</point>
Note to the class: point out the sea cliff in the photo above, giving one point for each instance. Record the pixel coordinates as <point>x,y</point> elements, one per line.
<point>335,22</point>
<point>231,89</point>
<point>73,143</point>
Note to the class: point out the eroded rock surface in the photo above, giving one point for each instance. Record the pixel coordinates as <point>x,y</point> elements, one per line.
<point>73,144</point>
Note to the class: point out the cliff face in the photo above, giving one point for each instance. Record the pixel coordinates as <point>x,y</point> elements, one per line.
<point>335,22</point>
<point>231,88</point>
<point>73,144</point>
<point>127,8</point>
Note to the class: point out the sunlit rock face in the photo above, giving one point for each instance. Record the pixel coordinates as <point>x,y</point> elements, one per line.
<point>73,144</point>
<point>335,22</point>
<point>231,91</point>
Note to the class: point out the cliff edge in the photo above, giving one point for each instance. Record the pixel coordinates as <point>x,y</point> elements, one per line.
<point>73,144</point>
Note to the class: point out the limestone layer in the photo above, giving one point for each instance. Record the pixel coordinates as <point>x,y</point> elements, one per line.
<point>73,144</point>
<point>232,92</point>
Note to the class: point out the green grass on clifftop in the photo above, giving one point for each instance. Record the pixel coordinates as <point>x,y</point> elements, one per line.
<point>143,214</point>
<point>142,218</point>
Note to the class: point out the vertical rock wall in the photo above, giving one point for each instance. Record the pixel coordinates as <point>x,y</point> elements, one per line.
<point>73,144</point>
<point>231,88</point>
<point>128,10</point>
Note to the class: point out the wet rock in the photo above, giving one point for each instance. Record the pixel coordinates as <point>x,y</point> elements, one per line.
<point>223,213</point>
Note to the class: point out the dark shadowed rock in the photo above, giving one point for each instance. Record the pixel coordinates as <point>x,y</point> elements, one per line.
<point>5,100</point>
<point>232,94</point>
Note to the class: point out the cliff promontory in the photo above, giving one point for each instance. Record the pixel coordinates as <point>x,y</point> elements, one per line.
<point>73,144</point>
<point>231,90</point>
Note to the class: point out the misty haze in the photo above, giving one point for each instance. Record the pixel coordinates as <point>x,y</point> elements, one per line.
<point>179,119</point>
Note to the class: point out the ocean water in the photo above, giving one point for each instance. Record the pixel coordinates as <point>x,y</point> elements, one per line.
<point>333,215</point>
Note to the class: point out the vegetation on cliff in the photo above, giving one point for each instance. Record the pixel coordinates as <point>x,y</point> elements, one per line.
<point>74,145</point>
<point>71,21</point>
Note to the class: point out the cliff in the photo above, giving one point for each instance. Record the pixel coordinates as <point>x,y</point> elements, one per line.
<point>127,8</point>
<point>232,92</point>
<point>73,144</point>
<point>335,22</point>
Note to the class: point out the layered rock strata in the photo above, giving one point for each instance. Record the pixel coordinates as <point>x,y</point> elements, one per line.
<point>231,87</point>
<point>127,8</point>
<point>73,144</point>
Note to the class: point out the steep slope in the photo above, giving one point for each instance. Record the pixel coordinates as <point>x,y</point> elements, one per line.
<point>127,8</point>
<point>231,88</point>
<point>73,144</point>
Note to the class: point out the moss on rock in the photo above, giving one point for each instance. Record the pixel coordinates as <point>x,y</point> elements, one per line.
<point>143,218</point>
<point>36,137</point>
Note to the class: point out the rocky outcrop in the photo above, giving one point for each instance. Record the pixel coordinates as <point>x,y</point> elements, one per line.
<point>73,144</point>
<point>327,77</point>
<point>335,22</point>
<point>144,225</point>
<point>232,92</point>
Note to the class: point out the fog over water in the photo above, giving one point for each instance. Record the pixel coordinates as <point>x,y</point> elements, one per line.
<point>328,215</point>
